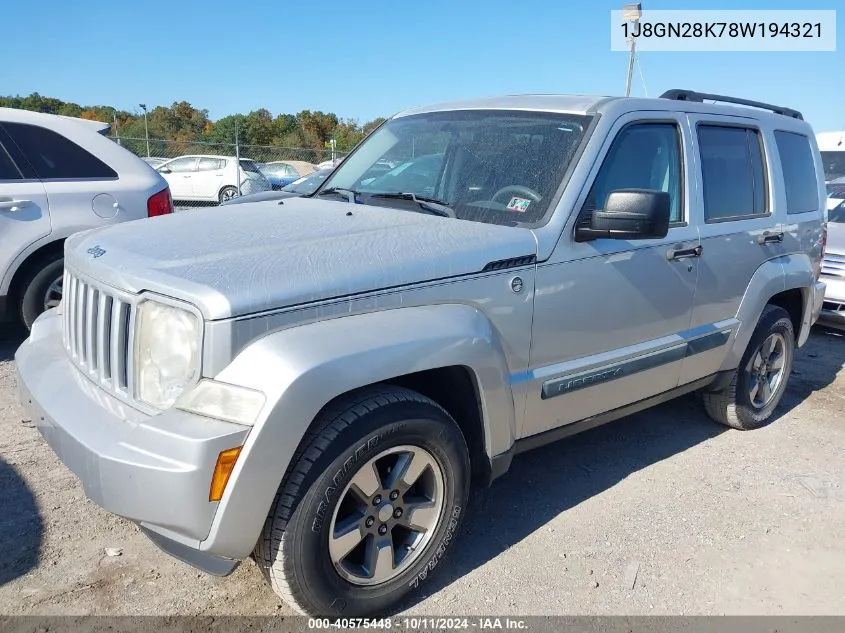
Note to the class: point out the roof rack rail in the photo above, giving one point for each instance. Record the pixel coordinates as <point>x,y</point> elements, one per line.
<point>699,97</point>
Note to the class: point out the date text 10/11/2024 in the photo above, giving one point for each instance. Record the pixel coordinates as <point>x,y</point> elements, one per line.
<point>420,623</point>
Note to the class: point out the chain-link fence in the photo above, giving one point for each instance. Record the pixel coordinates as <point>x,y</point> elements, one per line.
<point>202,174</point>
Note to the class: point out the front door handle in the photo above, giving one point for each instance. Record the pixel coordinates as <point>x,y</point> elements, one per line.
<point>684,253</point>
<point>770,238</point>
<point>13,205</point>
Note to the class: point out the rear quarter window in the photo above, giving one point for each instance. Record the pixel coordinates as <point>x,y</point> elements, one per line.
<point>53,156</point>
<point>799,172</point>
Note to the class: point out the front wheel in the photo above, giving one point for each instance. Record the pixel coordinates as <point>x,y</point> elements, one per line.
<point>42,289</point>
<point>759,382</point>
<point>369,507</point>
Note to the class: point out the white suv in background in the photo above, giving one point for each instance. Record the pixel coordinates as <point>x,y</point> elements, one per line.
<point>212,178</point>
<point>60,175</point>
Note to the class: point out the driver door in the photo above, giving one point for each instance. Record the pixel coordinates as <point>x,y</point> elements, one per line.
<point>609,314</point>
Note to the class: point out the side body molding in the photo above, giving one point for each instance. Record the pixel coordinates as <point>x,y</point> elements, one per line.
<point>774,276</point>
<point>300,369</point>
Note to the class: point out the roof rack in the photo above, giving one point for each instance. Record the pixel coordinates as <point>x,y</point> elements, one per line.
<point>699,97</point>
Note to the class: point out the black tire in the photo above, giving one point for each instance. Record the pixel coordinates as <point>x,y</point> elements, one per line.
<point>733,405</point>
<point>227,193</point>
<point>293,550</point>
<point>35,284</point>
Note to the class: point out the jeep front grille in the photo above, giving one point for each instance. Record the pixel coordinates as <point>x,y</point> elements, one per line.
<point>97,334</point>
<point>833,265</point>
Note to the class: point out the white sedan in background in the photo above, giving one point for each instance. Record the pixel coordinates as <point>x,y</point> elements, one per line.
<point>212,178</point>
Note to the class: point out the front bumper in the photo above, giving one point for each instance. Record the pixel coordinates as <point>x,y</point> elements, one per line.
<point>154,470</point>
<point>833,309</point>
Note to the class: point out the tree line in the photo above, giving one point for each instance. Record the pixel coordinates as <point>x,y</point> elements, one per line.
<point>181,121</point>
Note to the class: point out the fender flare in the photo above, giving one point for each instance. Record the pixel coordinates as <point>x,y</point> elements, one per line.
<point>303,368</point>
<point>787,272</point>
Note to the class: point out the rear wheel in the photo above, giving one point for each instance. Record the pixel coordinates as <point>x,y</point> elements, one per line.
<point>227,193</point>
<point>758,384</point>
<point>41,289</point>
<point>369,506</point>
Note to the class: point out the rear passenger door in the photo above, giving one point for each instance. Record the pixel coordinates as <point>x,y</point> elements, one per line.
<point>208,179</point>
<point>734,211</point>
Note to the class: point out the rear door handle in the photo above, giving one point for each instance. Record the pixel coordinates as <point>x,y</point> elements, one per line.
<point>13,205</point>
<point>684,253</point>
<point>770,238</point>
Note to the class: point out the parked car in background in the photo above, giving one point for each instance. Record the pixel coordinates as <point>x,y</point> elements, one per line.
<point>155,161</point>
<point>207,178</point>
<point>302,187</point>
<point>320,388</point>
<point>60,175</point>
<point>832,148</point>
<point>833,266</point>
<point>279,174</point>
<point>330,164</point>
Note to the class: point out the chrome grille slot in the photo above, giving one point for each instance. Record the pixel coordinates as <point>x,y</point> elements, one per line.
<point>833,265</point>
<point>96,333</point>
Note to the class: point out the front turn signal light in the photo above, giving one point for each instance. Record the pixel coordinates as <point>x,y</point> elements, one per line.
<point>222,471</point>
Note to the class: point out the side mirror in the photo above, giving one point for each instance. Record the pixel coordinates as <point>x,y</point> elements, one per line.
<point>628,214</point>
<point>164,170</point>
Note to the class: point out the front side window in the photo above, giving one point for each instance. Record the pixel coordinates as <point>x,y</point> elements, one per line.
<point>55,157</point>
<point>494,166</point>
<point>642,156</point>
<point>732,172</point>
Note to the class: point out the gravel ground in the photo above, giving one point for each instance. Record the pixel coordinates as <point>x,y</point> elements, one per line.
<point>662,513</point>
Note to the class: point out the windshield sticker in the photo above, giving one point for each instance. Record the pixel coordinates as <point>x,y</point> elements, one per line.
<point>520,205</point>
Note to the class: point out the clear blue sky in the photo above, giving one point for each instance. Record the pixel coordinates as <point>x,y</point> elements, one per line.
<point>373,57</point>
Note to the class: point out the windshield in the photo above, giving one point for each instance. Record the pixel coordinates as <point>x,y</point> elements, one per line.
<point>309,183</point>
<point>834,164</point>
<point>501,167</point>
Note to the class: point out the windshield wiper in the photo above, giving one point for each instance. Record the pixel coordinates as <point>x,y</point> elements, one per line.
<point>432,205</point>
<point>349,194</point>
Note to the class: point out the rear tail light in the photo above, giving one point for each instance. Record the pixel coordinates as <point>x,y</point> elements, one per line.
<point>160,203</point>
<point>817,265</point>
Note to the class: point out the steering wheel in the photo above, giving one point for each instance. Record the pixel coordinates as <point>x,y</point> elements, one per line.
<point>517,190</point>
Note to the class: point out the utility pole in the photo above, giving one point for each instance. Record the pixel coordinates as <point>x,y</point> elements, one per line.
<point>238,156</point>
<point>631,13</point>
<point>116,127</point>
<point>146,129</point>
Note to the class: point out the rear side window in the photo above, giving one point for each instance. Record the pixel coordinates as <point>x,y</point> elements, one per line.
<point>799,172</point>
<point>8,170</point>
<point>732,171</point>
<point>55,157</point>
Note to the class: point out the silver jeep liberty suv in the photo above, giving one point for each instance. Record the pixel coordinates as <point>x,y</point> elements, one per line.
<point>317,382</point>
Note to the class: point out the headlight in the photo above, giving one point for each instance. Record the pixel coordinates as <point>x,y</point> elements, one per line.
<point>222,401</point>
<point>166,353</point>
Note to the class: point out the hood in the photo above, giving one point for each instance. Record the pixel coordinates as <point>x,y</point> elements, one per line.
<point>262,256</point>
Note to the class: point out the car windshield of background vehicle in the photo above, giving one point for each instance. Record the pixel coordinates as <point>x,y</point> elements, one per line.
<point>500,167</point>
<point>834,164</point>
<point>248,165</point>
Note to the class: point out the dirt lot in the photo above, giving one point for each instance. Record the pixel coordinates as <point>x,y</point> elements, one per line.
<point>662,513</point>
